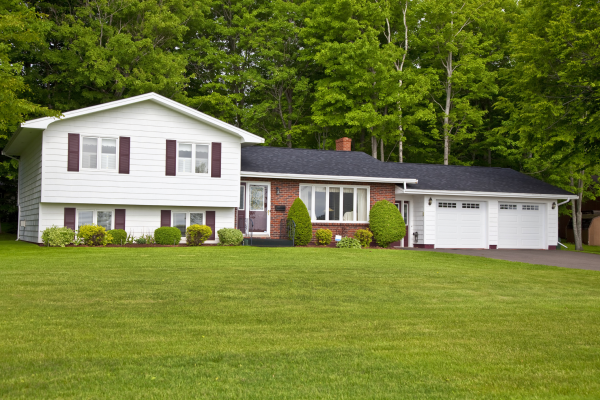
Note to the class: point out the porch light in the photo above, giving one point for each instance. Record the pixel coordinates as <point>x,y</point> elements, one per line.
<point>553,205</point>
<point>430,201</point>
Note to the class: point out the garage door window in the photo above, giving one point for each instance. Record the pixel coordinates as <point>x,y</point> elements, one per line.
<point>470,205</point>
<point>529,207</point>
<point>447,205</point>
<point>508,206</point>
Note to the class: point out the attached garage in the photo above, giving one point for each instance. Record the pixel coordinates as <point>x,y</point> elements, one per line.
<point>461,224</point>
<point>521,226</point>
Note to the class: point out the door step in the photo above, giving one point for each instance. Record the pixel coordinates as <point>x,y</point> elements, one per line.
<point>256,242</point>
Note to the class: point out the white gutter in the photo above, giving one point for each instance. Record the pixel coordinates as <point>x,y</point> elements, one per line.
<point>482,194</point>
<point>267,175</point>
<point>564,202</point>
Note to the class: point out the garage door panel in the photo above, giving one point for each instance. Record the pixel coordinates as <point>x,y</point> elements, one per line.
<point>460,226</point>
<point>521,226</point>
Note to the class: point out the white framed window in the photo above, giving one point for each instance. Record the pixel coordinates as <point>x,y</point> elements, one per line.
<point>530,207</point>
<point>193,158</point>
<point>470,205</point>
<point>242,197</point>
<point>96,217</point>
<point>99,153</point>
<point>508,206</point>
<point>336,203</point>
<point>182,220</point>
<point>447,205</point>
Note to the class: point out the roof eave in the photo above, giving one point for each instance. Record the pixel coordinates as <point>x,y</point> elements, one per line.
<point>400,190</point>
<point>338,178</point>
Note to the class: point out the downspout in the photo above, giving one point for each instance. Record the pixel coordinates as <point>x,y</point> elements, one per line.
<point>18,200</point>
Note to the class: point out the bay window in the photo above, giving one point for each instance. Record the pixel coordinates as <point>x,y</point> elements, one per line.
<point>336,203</point>
<point>192,158</point>
<point>99,153</point>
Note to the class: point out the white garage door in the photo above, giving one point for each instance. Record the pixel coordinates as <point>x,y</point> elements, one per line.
<point>521,226</point>
<point>460,224</point>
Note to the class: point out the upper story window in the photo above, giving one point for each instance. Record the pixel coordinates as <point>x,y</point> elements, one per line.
<point>336,203</point>
<point>99,153</point>
<point>192,158</point>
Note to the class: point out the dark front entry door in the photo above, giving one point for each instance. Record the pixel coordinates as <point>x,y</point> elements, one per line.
<point>258,208</point>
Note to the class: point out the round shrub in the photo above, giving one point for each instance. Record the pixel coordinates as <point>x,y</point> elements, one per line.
<point>299,214</point>
<point>364,236</point>
<point>323,236</point>
<point>348,243</point>
<point>196,234</point>
<point>94,235</point>
<point>119,236</point>
<point>386,223</point>
<point>56,236</point>
<point>230,236</point>
<point>167,235</point>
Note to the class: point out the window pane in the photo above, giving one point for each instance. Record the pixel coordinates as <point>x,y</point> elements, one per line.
<point>362,204</point>
<point>109,154</point>
<point>320,202</point>
<point>257,198</point>
<point>348,204</point>
<point>334,204</point>
<point>185,158</point>
<point>104,219</point>
<point>179,222</point>
<point>196,219</point>
<point>306,197</point>
<point>242,197</point>
<point>85,218</point>
<point>201,159</point>
<point>89,156</point>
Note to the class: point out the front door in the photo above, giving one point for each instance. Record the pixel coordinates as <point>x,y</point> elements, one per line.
<point>258,208</point>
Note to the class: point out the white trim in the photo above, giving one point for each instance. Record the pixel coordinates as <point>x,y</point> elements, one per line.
<point>399,190</point>
<point>338,178</point>
<point>247,210</point>
<point>341,187</point>
<point>247,137</point>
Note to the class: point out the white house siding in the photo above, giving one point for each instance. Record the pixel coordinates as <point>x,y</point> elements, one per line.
<point>148,125</point>
<point>30,188</point>
<point>139,220</point>
<point>492,210</point>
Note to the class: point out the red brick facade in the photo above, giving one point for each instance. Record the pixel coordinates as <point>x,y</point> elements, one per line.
<point>289,190</point>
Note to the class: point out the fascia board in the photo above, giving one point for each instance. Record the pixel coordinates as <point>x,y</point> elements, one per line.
<point>267,175</point>
<point>42,123</point>
<point>400,190</point>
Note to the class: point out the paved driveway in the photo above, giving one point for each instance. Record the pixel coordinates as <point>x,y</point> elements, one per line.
<point>557,258</point>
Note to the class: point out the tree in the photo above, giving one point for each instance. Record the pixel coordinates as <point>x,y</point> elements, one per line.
<point>553,94</point>
<point>299,214</point>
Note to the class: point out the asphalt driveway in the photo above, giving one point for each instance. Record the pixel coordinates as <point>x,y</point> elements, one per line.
<point>556,258</point>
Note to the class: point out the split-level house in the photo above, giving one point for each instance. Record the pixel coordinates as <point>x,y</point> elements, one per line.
<point>148,161</point>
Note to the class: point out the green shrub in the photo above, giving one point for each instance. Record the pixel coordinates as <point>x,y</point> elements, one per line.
<point>167,235</point>
<point>57,236</point>
<point>323,236</point>
<point>119,236</point>
<point>230,236</point>
<point>364,236</point>
<point>386,223</point>
<point>94,235</point>
<point>196,234</point>
<point>299,214</point>
<point>348,243</point>
<point>141,240</point>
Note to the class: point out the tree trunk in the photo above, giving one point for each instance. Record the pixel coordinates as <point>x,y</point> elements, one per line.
<point>373,146</point>
<point>381,150</point>
<point>447,110</point>
<point>289,141</point>
<point>577,204</point>
<point>400,152</point>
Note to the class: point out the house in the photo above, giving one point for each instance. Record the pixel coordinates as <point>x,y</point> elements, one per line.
<point>147,161</point>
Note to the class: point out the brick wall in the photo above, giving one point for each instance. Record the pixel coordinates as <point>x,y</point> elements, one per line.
<point>289,190</point>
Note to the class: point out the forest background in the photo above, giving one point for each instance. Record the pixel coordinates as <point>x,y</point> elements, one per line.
<point>499,83</point>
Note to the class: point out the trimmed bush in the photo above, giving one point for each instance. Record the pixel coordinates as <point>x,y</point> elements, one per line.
<point>299,214</point>
<point>230,236</point>
<point>94,235</point>
<point>348,243</point>
<point>57,236</point>
<point>364,236</point>
<point>386,223</point>
<point>119,236</point>
<point>196,235</point>
<point>323,236</point>
<point>167,235</point>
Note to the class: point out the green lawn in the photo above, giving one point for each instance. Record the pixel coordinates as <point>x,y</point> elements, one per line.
<point>306,323</point>
<point>586,248</point>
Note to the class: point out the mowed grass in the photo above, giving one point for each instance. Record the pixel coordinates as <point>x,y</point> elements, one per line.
<point>586,248</point>
<point>305,323</point>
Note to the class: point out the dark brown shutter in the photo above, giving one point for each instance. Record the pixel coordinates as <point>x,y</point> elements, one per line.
<point>120,218</point>
<point>171,168</point>
<point>73,157</point>
<point>165,217</point>
<point>124,151</point>
<point>70,218</point>
<point>215,165</point>
<point>210,222</point>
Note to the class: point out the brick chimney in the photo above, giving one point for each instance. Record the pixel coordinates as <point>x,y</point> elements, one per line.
<point>343,144</point>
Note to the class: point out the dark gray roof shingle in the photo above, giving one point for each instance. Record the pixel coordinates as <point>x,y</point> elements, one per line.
<point>355,163</point>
